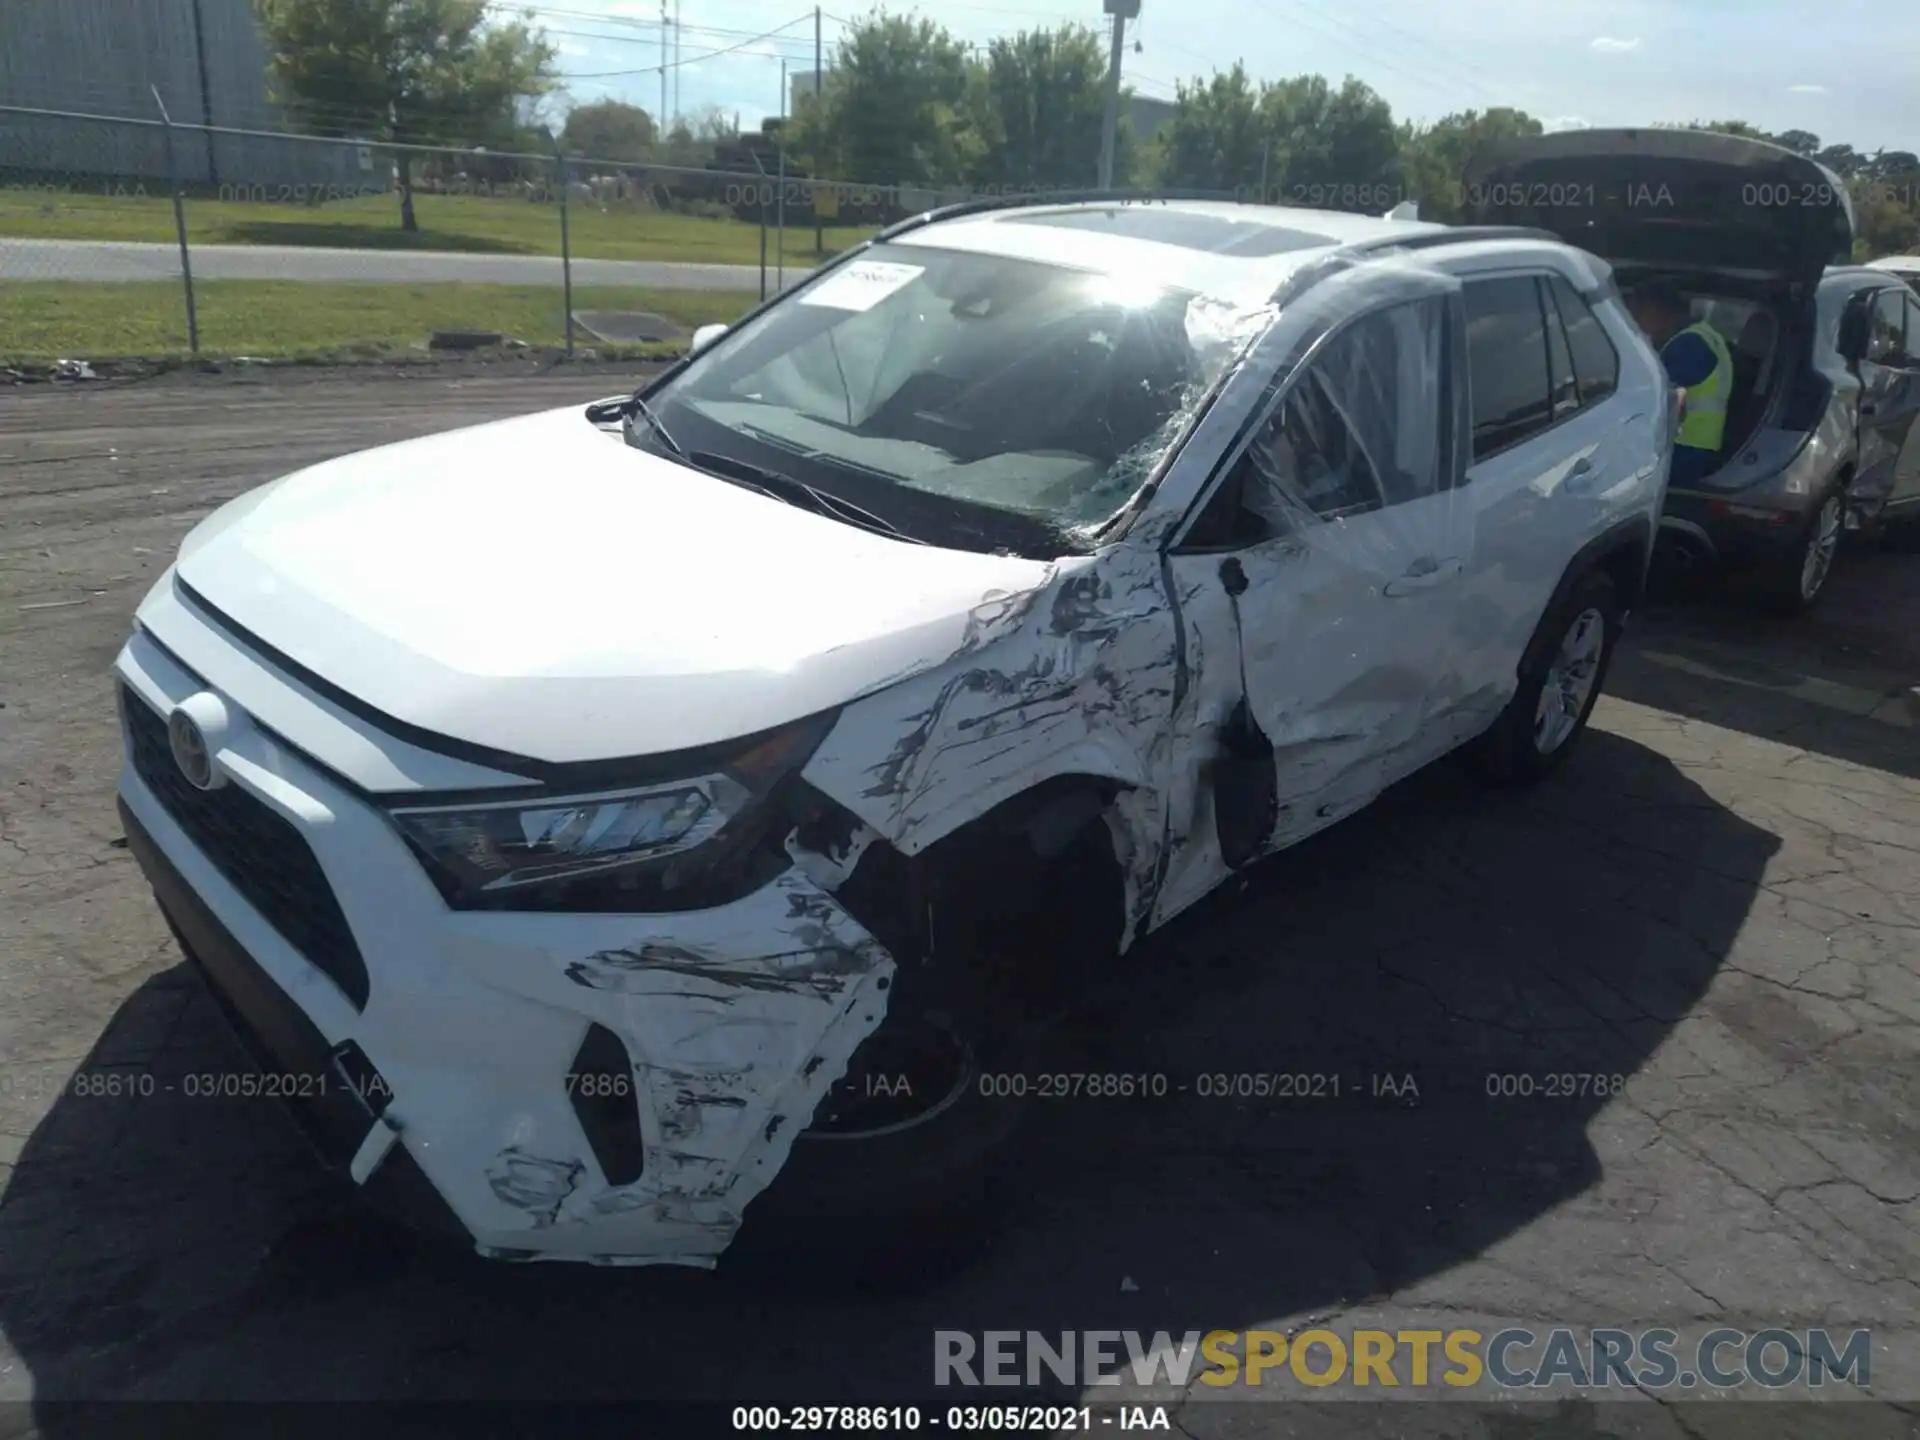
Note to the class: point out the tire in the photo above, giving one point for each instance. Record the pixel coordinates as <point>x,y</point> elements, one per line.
<point>869,1198</point>
<point>892,1208</point>
<point>1575,638</point>
<point>1792,584</point>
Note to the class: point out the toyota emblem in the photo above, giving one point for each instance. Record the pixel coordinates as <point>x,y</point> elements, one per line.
<point>190,750</point>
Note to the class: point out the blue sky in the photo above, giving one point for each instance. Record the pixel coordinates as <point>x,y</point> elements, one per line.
<point>1848,70</point>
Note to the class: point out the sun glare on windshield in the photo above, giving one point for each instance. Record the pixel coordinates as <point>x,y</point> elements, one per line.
<point>1131,291</point>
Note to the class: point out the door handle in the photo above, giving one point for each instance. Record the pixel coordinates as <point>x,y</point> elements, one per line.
<point>1867,407</point>
<point>1423,574</point>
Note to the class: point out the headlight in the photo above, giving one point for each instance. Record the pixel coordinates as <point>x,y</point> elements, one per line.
<point>498,848</point>
<point>540,852</point>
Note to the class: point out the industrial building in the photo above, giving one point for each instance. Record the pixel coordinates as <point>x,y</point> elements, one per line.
<point>107,57</point>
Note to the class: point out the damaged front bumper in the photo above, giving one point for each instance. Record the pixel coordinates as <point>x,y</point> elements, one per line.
<point>607,1088</point>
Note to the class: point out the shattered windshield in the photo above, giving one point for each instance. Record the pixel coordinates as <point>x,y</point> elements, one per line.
<point>1007,384</point>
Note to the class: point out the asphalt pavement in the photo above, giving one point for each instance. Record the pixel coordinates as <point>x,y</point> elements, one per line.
<point>1712,914</point>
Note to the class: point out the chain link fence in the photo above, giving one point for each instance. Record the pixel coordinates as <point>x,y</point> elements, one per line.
<point>148,236</point>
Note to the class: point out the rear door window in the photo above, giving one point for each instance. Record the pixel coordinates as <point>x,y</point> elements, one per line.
<point>1596,364</point>
<point>1507,364</point>
<point>1566,390</point>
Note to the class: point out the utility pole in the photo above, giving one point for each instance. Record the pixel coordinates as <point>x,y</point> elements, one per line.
<point>676,61</point>
<point>819,220</point>
<point>206,95</point>
<point>1118,13</point>
<point>780,195</point>
<point>661,124</point>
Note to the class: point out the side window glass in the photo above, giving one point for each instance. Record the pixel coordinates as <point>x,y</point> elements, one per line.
<point>1913,331</point>
<point>1506,363</point>
<point>1229,522</point>
<point>1886,331</point>
<point>1596,364</point>
<point>1361,427</point>
<point>1565,390</point>
<point>1309,454</point>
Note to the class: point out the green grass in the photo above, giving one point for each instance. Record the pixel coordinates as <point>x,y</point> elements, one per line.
<point>496,225</point>
<point>54,319</point>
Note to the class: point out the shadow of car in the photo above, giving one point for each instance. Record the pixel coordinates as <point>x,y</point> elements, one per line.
<point>172,1241</point>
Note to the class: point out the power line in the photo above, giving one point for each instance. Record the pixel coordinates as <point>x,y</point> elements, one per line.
<point>1453,58</point>
<point>1425,78</point>
<point>696,59</point>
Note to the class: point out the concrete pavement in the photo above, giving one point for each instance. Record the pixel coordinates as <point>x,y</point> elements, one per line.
<point>120,260</point>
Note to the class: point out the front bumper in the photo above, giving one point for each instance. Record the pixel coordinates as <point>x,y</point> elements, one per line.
<point>482,1116</point>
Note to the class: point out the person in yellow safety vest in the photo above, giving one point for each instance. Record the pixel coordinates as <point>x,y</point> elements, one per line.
<point>1698,361</point>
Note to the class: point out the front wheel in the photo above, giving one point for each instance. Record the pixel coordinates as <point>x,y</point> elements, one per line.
<point>1564,674</point>
<point>903,1171</point>
<point>1792,583</point>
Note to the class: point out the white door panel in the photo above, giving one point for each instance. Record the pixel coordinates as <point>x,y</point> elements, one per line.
<point>1338,674</point>
<point>1535,506</point>
<point>1335,627</point>
<point>1550,389</point>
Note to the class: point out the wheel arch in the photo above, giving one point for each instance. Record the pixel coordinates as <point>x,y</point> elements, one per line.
<point>1622,552</point>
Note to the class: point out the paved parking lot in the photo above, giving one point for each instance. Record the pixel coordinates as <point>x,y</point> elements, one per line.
<point>1718,900</point>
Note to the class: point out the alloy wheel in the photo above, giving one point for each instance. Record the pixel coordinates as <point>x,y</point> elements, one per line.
<point>1569,681</point>
<point>1821,546</point>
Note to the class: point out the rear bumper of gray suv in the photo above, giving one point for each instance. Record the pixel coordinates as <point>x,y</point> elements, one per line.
<point>1740,530</point>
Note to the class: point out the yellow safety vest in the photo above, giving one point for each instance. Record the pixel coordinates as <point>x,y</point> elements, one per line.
<point>1704,424</point>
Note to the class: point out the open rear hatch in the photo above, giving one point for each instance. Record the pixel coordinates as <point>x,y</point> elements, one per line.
<point>1668,200</point>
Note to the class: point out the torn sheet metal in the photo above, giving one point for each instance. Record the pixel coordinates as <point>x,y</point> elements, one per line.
<point>733,1043</point>
<point>735,1021</point>
<point>1076,677</point>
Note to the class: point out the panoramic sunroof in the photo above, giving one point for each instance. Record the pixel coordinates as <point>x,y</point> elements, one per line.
<point>1215,234</point>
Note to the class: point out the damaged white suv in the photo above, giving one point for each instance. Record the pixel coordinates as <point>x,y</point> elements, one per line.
<point>604,818</point>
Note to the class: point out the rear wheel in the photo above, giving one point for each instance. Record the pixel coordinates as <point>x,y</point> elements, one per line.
<point>1792,583</point>
<point>1565,671</point>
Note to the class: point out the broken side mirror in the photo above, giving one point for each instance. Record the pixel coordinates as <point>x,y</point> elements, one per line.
<point>1246,792</point>
<point>705,336</point>
<point>1852,343</point>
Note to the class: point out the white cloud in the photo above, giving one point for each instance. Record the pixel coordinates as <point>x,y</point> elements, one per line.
<point>1566,122</point>
<point>1608,45</point>
<point>1806,89</point>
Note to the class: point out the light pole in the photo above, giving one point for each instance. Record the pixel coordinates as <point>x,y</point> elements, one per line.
<point>1119,12</point>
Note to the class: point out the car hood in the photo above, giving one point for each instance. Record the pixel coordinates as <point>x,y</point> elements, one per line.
<point>1681,199</point>
<point>542,589</point>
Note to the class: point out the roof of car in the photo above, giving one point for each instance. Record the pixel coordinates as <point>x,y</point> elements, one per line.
<point>1218,247</point>
<point>1848,276</point>
<point>1899,263</point>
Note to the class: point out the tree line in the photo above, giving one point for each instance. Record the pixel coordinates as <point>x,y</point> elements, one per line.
<point>906,102</point>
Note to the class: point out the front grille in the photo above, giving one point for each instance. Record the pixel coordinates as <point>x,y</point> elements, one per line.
<point>261,854</point>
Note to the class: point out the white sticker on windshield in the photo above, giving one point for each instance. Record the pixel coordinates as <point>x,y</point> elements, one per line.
<point>861,285</point>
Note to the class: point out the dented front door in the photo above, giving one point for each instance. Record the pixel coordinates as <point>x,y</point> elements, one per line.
<point>1319,584</point>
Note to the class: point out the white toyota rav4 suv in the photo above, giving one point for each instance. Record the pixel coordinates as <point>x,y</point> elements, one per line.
<point>600,818</point>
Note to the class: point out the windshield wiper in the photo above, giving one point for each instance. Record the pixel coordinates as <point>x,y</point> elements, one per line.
<point>777,486</point>
<point>606,411</point>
